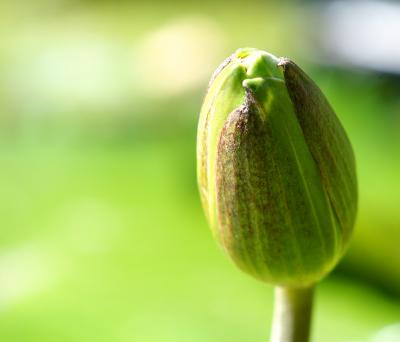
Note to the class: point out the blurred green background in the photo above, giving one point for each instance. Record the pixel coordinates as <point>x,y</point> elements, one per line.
<point>103,237</point>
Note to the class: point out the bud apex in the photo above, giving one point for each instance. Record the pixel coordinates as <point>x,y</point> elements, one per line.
<point>276,170</point>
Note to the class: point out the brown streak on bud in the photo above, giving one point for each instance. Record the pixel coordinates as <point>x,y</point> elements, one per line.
<point>327,141</point>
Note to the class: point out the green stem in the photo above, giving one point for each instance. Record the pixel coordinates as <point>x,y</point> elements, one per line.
<point>292,314</point>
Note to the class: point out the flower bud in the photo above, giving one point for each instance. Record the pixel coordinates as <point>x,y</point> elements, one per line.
<point>276,171</point>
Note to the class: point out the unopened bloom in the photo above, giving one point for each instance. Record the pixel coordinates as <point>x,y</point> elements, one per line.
<point>276,171</point>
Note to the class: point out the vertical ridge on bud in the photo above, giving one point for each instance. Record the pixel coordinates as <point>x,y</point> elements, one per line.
<point>211,120</point>
<point>328,143</point>
<point>242,194</point>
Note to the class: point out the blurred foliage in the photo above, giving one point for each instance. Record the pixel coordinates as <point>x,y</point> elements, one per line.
<point>103,235</point>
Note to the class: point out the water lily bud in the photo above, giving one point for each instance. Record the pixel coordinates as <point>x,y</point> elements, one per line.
<point>276,171</point>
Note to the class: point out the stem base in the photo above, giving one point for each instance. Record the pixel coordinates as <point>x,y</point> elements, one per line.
<point>292,314</point>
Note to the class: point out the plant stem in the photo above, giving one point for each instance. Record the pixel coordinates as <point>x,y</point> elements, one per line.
<point>292,314</point>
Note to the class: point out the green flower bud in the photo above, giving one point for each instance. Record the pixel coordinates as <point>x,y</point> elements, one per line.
<point>276,171</point>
